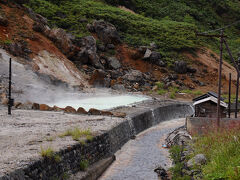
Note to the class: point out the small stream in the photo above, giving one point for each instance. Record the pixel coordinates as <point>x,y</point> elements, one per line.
<point>139,157</point>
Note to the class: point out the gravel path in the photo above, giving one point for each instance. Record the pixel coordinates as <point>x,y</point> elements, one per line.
<point>138,158</point>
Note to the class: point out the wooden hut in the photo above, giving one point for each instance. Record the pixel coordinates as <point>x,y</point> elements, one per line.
<point>206,106</point>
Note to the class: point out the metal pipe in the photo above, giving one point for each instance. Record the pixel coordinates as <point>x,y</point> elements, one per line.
<point>220,81</point>
<point>10,87</point>
<point>229,95</point>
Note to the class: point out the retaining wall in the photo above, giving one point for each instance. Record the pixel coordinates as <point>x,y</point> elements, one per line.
<point>200,125</point>
<point>101,146</point>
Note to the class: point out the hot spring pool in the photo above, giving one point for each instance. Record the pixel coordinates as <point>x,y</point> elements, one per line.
<point>101,103</point>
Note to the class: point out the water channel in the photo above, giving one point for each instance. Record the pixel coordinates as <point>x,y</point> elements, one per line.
<point>139,157</point>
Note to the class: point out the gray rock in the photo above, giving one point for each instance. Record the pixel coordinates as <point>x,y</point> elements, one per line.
<point>110,46</point>
<point>197,160</point>
<point>155,56</point>
<point>153,45</point>
<point>191,70</point>
<point>88,53</point>
<point>133,76</point>
<point>39,27</point>
<point>3,21</point>
<point>180,67</point>
<point>101,47</point>
<point>61,40</point>
<point>147,54</point>
<point>178,137</point>
<point>114,63</point>
<point>119,87</point>
<point>106,32</point>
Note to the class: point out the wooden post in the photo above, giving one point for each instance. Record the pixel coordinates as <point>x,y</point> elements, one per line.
<point>229,95</point>
<point>10,87</point>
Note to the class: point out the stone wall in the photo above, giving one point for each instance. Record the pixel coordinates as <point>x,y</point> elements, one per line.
<point>101,146</point>
<point>200,125</point>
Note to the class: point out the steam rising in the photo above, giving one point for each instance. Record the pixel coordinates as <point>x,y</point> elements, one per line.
<point>29,86</point>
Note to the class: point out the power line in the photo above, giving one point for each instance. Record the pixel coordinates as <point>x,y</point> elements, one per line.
<point>222,28</point>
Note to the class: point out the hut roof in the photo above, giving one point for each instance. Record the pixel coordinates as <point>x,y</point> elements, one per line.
<point>210,98</point>
<point>213,94</point>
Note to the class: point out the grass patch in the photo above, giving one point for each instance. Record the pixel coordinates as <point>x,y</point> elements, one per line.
<point>77,134</point>
<point>195,93</point>
<point>233,98</point>
<point>222,152</point>
<point>176,170</point>
<point>162,92</point>
<point>84,165</point>
<point>50,154</point>
<point>135,29</point>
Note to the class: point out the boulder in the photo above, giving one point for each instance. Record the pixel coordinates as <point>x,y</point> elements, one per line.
<point>81,111</point>
<point>179,137</point>
<point>197,160</point>
<point>133,76</point>
<point>119,87</point>
<point>88,52</point>
<point>106,32</point>
<point>147,54</point>
<point>26,106</point>
<point>69,109</point>
<point>162,173</point>
<point>110,46</point>
<point>93,111</point>
<point>56,108</point>
<point>114,63</point>
<point>119,114</point>
<point>17,105</point>
<point>44,107</point>
<point>3,21</point>
<point>180,67</point>
<point>35,106</point>
<point>106,113</point>
<point>99,79</point>
<point>61,40</point>
<point>19,49</point>
<point>191,70</point>
<point>39,27</point>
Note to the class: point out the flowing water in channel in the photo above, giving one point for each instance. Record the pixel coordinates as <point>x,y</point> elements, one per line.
<point>139,157</point>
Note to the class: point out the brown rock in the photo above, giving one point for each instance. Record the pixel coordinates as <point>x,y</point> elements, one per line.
<point>81,111</point>
<point>93,111</point>
<point>56,108</point>
<point>3,21</point>
<point>35,106</point>
<point>106,113</point>
<point>4,101</point>
<point>119,114</point>
<point>44,107</point>
<point>69,109</point>
<point>17,105</point>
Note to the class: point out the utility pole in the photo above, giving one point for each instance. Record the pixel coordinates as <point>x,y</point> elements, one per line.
<point>237,88</point>
<point>220,81</point>
<point>219,71</point>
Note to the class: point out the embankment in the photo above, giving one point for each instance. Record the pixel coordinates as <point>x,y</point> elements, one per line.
<point>102,146</point>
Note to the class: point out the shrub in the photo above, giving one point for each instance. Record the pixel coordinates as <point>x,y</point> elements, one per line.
<point>84,165</point>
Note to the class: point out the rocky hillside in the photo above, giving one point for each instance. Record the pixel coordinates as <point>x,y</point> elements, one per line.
<point>123,45</point>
